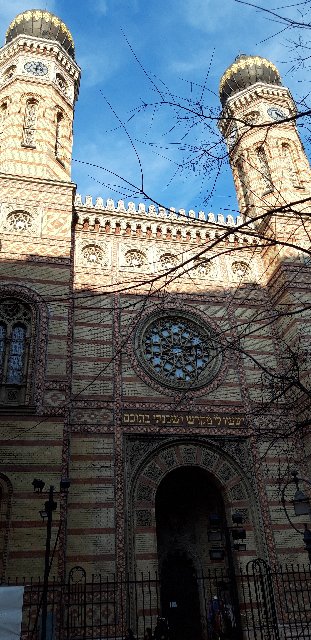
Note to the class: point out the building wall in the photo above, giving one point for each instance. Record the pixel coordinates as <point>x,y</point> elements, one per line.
<point>92,275</point>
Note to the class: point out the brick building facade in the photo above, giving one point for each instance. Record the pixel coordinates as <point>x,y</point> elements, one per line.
<point>137,344</point>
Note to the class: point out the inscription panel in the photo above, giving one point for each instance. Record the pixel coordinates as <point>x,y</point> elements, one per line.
<point>182,419</point>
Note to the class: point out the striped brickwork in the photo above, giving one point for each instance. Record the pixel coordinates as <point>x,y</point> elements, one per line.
<point>93,274</point>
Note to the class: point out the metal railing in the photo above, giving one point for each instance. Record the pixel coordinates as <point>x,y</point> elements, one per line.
<point>274,604</point>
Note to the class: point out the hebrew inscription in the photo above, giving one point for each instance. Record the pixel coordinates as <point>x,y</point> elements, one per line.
<point>165,419</point>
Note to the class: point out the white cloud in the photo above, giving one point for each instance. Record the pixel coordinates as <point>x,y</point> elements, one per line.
<point>102,6</point>
<point>205,15</point>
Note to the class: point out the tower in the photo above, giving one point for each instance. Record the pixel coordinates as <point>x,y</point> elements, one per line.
<point>269,165</point>
<point>39,82</point>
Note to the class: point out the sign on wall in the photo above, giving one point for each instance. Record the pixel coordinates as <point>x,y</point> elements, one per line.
<point>182,419</point>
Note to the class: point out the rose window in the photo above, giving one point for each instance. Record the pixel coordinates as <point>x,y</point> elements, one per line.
<point>93,254</point>
<point>168,261</point>
<point>201,268</point>
<point>178,351</point>
<point>135,258</point>
<point>240,269</point>
<point>20,221</point>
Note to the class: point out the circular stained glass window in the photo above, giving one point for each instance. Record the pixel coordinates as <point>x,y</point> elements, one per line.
<point>177,350</point>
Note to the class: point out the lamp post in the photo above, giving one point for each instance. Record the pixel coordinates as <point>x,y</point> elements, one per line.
<point>301,504</point>
<point>47,513</point>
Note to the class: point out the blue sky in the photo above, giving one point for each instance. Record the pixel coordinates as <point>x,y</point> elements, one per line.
<point>184,45</point>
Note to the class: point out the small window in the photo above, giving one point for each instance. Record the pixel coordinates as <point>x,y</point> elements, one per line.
<point>290,166</point>
<point>243,178</point>
<point>30,123</point>
<point>3,116</point>
<point>264,170</point>
<point>61,82</point>
<point>59,138</point>
<point>9,73</point>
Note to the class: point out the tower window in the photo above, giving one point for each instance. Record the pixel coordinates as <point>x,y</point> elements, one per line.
<point>3,116</point>
<point>59,138</point>
<point>9,73</point>
<point>264,170</point>
<point>61,82</point>
<point>243,181</point>
<point>15,336</point>
<point>290,164</point>
<point>30,121</point>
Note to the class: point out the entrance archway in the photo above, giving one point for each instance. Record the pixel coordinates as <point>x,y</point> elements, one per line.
<point>185,500</point>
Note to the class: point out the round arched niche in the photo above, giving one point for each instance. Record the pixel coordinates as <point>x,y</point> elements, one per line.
<point>228,476</point>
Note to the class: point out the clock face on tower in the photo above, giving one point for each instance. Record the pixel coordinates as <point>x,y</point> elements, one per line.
<point>36,68</point>
<point>276,113</point>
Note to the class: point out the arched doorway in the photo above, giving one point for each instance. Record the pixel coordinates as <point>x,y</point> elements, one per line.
<point>185,501</point>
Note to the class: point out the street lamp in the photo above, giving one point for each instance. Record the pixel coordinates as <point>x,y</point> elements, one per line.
<point>301,504</point>
<point>47,514</point>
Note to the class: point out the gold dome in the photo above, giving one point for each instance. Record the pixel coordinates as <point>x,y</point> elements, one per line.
<point>41,24</point>
<point>244,72</point>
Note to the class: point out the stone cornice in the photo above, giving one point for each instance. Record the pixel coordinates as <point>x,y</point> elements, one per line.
<point>250,95</point>
<point>39,181</point>
<point>39,46</point>
<point>154,221</point>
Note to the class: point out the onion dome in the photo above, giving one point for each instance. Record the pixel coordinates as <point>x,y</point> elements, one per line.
<point>244,72</point>
<point>41,24</point>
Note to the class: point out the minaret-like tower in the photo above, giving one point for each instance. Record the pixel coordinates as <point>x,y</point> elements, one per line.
<point>39,82</point>
<point>269,165</point>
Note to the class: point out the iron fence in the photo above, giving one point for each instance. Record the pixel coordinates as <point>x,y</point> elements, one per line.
<point>274,603</point>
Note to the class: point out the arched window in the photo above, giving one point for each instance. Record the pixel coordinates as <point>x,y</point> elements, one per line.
<point>264,170</point>
<point>290,164</point>
<point>61,82</point>
<point>59,137</point>
<point>3,116</point>
<point>15,337</point>
<point>243,181</point>
<point>9,73</point>
<point>16,359</point>
<point>30,123</point>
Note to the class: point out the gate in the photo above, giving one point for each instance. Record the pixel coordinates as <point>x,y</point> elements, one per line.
<point>274,604</point>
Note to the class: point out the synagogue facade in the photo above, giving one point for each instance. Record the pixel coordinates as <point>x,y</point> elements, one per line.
<point>149,355</point>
